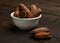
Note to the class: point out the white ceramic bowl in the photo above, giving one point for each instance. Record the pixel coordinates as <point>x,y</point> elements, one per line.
<point>25,23</point>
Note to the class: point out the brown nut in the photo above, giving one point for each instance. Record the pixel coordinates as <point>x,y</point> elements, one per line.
<point>17,12</point>
<point>23,7</point>
<point>35,11</point>
<point>27,11</point>
<point>33,8</point>
<point>42,35</point>
<point>43,29</point>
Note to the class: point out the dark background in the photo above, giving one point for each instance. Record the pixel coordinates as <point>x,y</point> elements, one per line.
<point>9,33</point>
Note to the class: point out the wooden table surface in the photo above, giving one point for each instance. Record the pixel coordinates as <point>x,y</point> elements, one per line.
<point>9,33</point>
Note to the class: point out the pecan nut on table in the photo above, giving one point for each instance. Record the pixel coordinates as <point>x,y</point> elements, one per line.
<point>41,33</point>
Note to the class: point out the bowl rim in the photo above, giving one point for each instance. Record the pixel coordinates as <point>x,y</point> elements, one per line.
<point>12,15</point>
